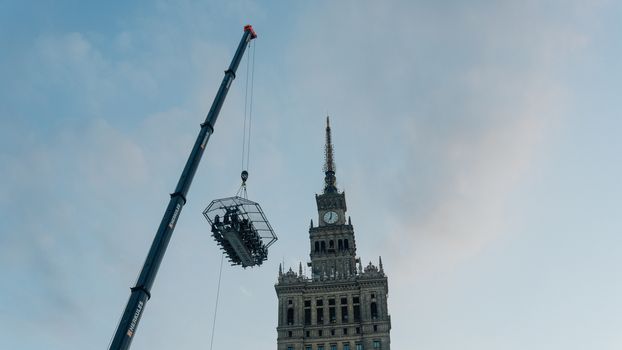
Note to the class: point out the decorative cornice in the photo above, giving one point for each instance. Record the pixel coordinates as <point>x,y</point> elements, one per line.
<point>297,285</point>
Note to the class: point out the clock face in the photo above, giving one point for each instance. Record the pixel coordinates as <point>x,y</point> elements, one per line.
<point>330,217</point>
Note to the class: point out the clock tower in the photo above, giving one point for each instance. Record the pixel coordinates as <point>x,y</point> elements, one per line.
<point>333,250</point>
<point>340,306</point>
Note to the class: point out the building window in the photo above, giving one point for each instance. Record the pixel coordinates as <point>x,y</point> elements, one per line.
<point>333,346</point>
<point>340,245</point>
<point>356,301</point>
<point>319,302</point>
<point>375,328</point>
<point>376,344</point>
<point>323,247</point>
<point>345,331</point>
<point>289,334</point>
<point>332,332</point>
<point>331,244</point>
<point>374,310</point>
<point>308,347</point>
<point>290,316</point>
<point>345,244</point>
<point>320,315</point>
<point>332,314</point>
<point>307,312</point>
<point>320,347</point>
<point>358,330</point>
<point>317,247</point>
<point>289,347</point>
<point>344,309</point>
<point>344,314</point>
<point>307,334</point>
<point>319,333</point>
<point>346,346</point>
<point>359,346</point>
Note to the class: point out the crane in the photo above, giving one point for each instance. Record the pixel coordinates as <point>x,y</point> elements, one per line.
<point>141,292</point>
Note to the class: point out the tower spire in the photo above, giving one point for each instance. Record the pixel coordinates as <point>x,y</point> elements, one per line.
<point>329,162</point>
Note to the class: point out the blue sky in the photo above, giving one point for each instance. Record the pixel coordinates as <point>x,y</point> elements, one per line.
<point>478,144</point>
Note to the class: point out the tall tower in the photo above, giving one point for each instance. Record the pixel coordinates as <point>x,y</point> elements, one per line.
<point>341,305</point>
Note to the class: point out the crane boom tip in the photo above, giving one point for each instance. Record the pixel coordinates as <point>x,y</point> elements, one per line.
<point>249,28</point>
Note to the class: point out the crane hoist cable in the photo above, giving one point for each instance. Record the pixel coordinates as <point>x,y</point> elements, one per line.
<point>248,113</point>
<point>248,118</point>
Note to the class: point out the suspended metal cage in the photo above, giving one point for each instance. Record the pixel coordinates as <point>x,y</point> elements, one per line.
<point>241,229</point>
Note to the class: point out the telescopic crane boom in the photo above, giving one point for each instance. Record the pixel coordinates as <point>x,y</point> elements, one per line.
<point>141,292</point>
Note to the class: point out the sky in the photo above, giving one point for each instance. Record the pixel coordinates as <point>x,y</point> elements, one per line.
<point>478,144</point>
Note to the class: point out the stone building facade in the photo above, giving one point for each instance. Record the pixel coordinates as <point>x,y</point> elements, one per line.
<point>341,306</point>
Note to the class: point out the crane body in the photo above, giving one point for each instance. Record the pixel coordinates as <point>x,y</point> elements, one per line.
<point>141,292</point>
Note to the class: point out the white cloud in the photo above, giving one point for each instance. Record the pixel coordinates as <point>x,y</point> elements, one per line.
<point>439,113</point>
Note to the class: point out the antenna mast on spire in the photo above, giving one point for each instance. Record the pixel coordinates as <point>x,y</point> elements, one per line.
<point>329,164</point>
<point>329,160</point>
